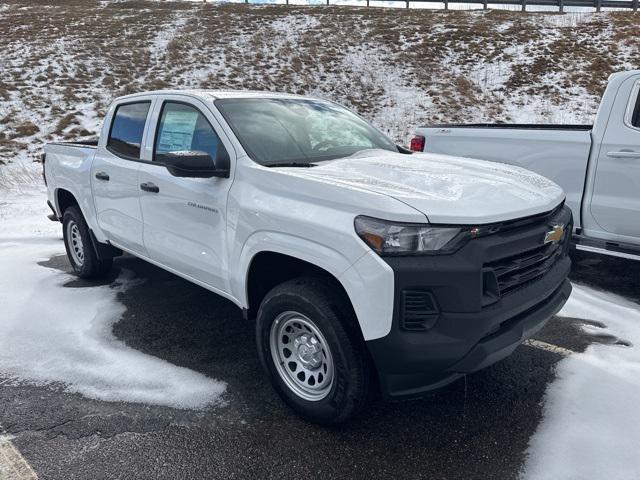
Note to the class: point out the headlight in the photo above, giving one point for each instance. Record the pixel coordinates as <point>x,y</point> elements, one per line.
<point>390,238</point>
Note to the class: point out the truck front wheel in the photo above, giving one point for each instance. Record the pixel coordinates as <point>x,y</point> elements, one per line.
<point>309,347</point>
<point>79,246</point>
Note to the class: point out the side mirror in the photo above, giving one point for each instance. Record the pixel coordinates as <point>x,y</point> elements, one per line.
<point>196,164</point>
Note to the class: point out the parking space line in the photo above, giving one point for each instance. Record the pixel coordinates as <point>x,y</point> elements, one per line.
<point>13,466</point>
<point>549,347</point>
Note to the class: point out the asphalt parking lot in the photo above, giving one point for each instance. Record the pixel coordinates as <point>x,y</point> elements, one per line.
<point>478,427</point>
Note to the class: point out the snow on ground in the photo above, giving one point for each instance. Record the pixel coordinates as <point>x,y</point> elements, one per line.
<point>591,425</point>
<point>291,27</point>
<point>398,68</point>
<point>61,336</point>
<point>158,47</point>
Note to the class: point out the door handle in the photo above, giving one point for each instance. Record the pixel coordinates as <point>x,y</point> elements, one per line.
<point>102,176</point>
<point>624,154</point>
<point>149,187</point>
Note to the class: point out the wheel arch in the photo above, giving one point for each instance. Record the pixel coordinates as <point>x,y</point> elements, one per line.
<point>65,199</point>
<point>367,281</point>
<point>268,269</point>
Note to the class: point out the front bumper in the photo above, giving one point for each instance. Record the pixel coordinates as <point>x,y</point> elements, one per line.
<point>474,326</point>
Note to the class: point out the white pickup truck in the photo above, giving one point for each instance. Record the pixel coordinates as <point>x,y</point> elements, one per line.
<point>366,267</point>
<point>598,165</point>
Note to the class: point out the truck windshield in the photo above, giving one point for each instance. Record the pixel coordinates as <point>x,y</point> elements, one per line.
<point>298,132</point>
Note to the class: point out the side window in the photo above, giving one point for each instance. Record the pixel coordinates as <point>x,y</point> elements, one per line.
<point>127,127</point>
<point>635,117</point>
<point>183,128</point>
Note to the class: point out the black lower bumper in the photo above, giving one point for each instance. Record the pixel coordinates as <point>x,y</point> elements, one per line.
<point>470,331</point>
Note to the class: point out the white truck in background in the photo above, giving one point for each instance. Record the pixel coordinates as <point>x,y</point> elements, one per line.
<point>598,165</point>
<point>364,265</point>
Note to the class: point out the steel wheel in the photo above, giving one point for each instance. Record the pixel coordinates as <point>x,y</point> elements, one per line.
<point>302,356</point>
<point>75,243</point>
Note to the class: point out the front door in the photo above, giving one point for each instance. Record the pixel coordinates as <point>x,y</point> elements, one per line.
<point>114,177</point>
<point>185,218</point>
<point>615,203</point>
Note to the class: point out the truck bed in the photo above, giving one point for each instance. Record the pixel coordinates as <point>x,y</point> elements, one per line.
<point>67,165</point>
<point>559,152</point>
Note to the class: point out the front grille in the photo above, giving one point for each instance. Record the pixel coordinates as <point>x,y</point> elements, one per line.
<point>522,223</point>
<point>518,270</point>
<point>419,311</point>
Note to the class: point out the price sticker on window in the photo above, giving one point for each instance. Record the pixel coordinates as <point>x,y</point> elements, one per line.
<point>177,132</point>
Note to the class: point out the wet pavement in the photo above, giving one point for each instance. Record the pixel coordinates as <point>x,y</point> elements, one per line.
<point>477,427</point>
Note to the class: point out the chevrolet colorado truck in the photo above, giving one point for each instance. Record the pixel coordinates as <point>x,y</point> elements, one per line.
<point>365,267</point>
<point>598,165</point>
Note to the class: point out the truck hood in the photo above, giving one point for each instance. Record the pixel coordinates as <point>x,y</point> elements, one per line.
<point>450,190</point>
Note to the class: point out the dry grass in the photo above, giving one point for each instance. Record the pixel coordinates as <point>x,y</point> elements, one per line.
<point>26,129</point>
<point>64,61</point>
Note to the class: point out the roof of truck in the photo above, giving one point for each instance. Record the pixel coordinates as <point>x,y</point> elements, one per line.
<point>216,94</point>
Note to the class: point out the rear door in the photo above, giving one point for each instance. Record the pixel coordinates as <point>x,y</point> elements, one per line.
<point>615,204</point>
<point>185,218</point>
<point>114,175</point>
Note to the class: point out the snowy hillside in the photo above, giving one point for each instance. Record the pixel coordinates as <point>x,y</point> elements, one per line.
<point>62,62</point>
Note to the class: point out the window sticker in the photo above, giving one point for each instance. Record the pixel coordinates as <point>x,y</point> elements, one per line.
<point>177,132</point>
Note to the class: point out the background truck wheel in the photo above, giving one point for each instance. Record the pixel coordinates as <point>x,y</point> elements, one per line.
<point>309,346</point>
<point>80,248</point>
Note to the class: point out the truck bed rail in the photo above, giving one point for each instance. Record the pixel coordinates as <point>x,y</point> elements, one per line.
<point>523,126</point>
<point>92,143</point>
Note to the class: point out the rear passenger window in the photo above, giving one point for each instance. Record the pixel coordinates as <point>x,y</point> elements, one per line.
<point>127,128</point>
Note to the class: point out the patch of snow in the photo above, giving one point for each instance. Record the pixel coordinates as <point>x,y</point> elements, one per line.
<point>20,175</point>
<point>567,20</point>
<point>591,425</point>
<point>293,25</point>
<point>56,335</point>
<point>577,108</point>
<point>158,47</point>
<point>47,80</point>
<point>400,103</point>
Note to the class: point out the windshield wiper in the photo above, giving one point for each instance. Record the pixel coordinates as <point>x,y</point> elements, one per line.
<point>291,164</point>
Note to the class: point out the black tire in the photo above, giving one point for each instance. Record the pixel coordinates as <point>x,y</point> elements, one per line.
<point>324,304</point>
<point>89,265</point>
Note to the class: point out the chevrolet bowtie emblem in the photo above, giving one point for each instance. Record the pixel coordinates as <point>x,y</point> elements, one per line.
<point>554,235</point>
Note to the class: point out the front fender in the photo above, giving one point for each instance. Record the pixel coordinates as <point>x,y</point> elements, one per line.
<point>265,241</point>
<point>368,281</point>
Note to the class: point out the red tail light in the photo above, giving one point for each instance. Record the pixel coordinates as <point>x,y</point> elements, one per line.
<point>417,143</point>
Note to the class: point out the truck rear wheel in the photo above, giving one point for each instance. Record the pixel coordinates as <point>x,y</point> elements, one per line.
<point>79,245</point>
<point>309,347</point>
